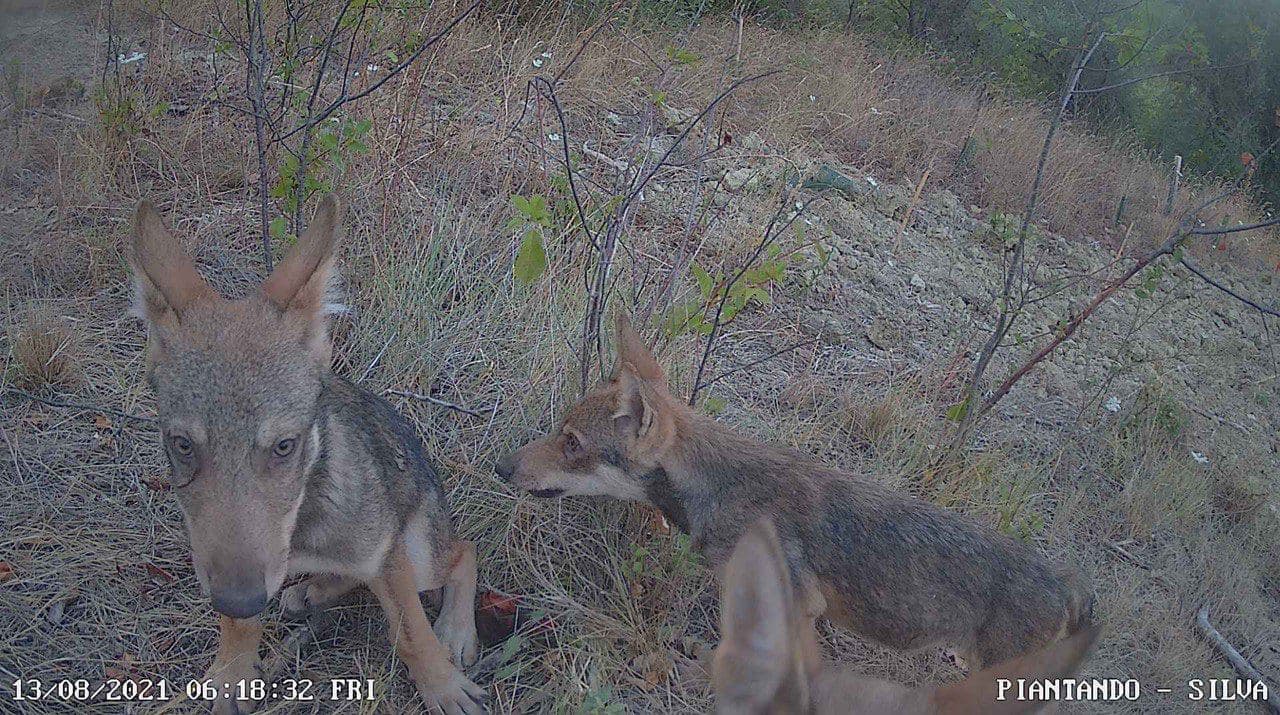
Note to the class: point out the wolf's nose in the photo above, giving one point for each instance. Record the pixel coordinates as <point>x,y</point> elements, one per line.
<point>503,468</point>
<point>239,604</point>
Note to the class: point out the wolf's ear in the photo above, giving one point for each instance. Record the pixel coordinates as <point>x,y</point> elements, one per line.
<point>634,414</point>
<point>755,655</point>
<point>165,281</point>
<point>633,350</point>
<point>303,284</point>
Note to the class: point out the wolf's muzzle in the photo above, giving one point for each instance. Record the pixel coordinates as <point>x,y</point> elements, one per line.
<point>239,604</point>
<point>504,468</point>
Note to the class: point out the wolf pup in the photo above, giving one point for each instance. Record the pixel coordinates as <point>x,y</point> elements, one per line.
<point>768,659</point>
<point>896,569</point>
<point>282,467</point>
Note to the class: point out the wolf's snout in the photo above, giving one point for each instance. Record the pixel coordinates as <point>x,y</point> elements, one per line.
<point>505,468</point>
<point>240,603</point>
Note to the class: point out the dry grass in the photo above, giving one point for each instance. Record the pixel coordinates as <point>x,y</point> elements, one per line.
<point>428,266</point>
<point>45,352</point>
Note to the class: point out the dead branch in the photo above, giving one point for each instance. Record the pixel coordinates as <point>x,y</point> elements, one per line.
<point>1191,266</point>
<point>1233,656</point>
<point>433,400</point>
<point>758,361</point>
<point>1169,73</point>
<point>1013,274</point>
<point>346,98</point>
<point>1237,229</point>
<point>82,406</point>
<point>255,55</point>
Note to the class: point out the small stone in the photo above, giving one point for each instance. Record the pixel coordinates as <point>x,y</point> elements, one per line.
<point>744,178</point>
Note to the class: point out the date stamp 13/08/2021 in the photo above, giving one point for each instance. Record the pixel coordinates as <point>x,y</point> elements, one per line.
<point>159,690</point>
<point>141,690</point>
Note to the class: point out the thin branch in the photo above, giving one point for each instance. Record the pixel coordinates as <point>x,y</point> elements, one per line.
<point>1008,313</point>
<point>1237,661</point>
<point>433,400</point>
<point>1135,80</point>
<point>753,363</point>
<point>694,122</point>
<point>1236,229</point>
<point>770,235</point>
<point>394,71</point>
<point>608,18</point>
<point>1191,266</point>
<point>82,406</point>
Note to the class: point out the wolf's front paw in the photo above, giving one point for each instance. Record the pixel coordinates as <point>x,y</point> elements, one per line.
<point>294,603</point>
<point>457,695</point>
<point>231,680</point>
<point>459,640</point>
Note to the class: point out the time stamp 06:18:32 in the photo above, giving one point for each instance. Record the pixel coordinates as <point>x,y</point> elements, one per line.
<point>85,690</point>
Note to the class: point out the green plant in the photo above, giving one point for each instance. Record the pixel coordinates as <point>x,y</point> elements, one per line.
<point>1005,228</point>
<point>326,158</point>
<point>533,218</point>
<point>734,289</point>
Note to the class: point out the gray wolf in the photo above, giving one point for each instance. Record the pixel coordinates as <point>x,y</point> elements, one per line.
<point>281,467</point>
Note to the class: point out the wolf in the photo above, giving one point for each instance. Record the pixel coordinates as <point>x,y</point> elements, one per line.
<point>896,569</point>
<point>768,660</point>
<point>281,467</point>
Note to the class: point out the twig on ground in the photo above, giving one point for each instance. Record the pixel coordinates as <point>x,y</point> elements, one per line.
<point>82,406</point>
<point>1237,661</point>
<point>433,400</point>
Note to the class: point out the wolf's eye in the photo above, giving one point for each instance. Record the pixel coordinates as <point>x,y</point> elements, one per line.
<point>572,447</point>
<point>284,447</point>
<point>181,446</point>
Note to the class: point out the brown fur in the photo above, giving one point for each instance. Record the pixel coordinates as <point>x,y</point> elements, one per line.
<point>897,569</point>
<point>768,659</point>
<point>282,467</point>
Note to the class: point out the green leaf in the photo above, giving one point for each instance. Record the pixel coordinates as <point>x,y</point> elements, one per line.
<point>510,647</point>
<point>715,405</point>
<point>531,259</point>
<point>957,412</point>
<point>681,56</point>
<point>705,283</point>
<point>278,227</point>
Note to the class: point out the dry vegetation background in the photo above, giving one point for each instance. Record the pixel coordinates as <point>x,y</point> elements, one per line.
<point>1168,500</point>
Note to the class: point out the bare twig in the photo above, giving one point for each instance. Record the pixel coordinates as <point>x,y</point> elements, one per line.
<point>346,98</point>
<point>758,361</point>
<point>63,404</point>
<point>1169,73</point>
<point>1191,266</point>
<point>1237,661</point>
<point>1076,321</point>
<point>255,89</point>
<point>433,400</point>
<point>1013,274</point>
<point>1236,229</point>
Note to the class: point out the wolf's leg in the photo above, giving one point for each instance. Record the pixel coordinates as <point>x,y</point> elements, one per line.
<point>237,660</point>
<point>316,592</point>
<point>456,625</point>
<point>442,686</point>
